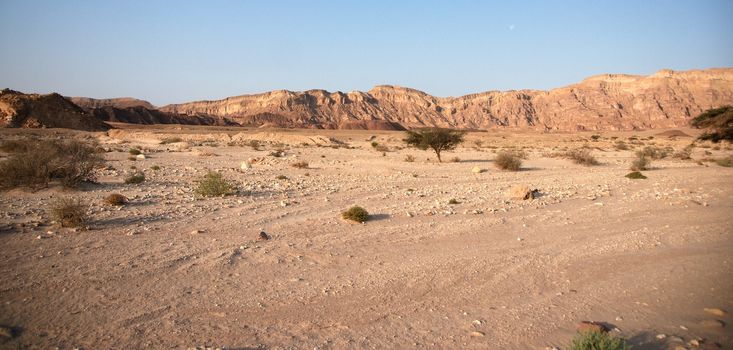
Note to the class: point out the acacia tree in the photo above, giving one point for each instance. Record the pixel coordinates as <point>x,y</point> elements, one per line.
<point>719,122</point>
<point>437,139</point>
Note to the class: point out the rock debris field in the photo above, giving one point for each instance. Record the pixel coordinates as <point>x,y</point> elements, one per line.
<point>449,258</point>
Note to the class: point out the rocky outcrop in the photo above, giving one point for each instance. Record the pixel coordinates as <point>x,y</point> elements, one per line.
<point>142,115</point>
<point>604,102</point>
<point>19,110</point>
<point>122,102</point>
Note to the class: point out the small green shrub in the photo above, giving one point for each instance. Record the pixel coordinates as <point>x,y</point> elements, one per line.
<point>135,178</point>
<point>582,156</point>
<point>356,213</point>
<point>453,201</point>
<point>508,161</point>
<point>374,144</point>
<point>640,163</point>
<point>592,340</point>
<point>134,151</point>
<point>635,175</point>
<point>213,184</point>
<point>70,212</point>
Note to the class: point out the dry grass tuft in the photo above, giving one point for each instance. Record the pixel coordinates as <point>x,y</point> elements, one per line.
<point>356,213</point>
<point>508,161</point>
<point>70,212</point>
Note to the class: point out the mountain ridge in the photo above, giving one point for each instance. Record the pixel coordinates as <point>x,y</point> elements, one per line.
<point>666,98</point>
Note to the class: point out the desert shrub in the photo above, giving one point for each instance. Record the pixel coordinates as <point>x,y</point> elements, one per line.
<point>591,340</point>
<point>718,122</point>
<point>726,162</point>
<point>653,152</point>
<point>168,140</point>
<point>453,201</point>
<point>255,144</point>
<point>135,178</point>
<point>635,175</point>
<point>77,163</point>
<point>684,154</point>
<point>374,144</point>
<point>621,146</point>
<point>70,212</point>
<point>437,139</point>
<point>508,161</point>
<point>582,156</point>
<point>115,199</point>
<point>38,162</point>
<point>300,165</point>
<point>281,177</point>
<point>213,184</point>
<point>455,160</point>
<point>640,163</point>
<point>134,151</point>
<point>155,167</point>
<point>356,213</point>
<point>381,148</point>
<point>595,137</point>
<point>409,158</point>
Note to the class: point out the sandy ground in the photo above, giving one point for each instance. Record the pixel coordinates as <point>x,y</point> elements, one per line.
<point>174,270</point>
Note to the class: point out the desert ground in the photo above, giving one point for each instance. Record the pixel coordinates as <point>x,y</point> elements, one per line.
<point>172,269</point>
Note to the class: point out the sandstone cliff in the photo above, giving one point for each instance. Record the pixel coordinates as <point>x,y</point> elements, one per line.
<point>19,110</point>
<point>604,102</point>
<point>142,115</point>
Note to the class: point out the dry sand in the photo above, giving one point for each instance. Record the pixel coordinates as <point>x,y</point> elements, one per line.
<point>173,270</point>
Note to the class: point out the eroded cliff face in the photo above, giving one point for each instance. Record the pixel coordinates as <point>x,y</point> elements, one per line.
<point>120,102</point>
<point>604,102</point>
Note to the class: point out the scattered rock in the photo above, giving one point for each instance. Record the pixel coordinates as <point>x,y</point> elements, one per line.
<point>140,157</point>
<point>522,192</point>
<point>661,336</point>
<point>477,170</point>
<point>591,326</point>
<point>477,334</point>
<point>715,311</point>
<point>245,165</point>
<point>264,236</point>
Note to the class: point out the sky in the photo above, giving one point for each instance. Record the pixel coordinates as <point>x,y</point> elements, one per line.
<point>179,51</point>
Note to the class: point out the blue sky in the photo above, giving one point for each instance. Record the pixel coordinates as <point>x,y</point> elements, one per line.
<point>176,51</point>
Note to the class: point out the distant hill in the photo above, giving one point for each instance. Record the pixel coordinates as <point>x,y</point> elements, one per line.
<point>603,102</point>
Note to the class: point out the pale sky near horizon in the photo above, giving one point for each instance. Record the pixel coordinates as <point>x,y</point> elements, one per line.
<point>178,51</point>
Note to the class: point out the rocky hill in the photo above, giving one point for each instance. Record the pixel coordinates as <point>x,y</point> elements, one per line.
<point>143,115</point>
<point>19,110</point>
<point>121,102</point>
<point>604,102</point>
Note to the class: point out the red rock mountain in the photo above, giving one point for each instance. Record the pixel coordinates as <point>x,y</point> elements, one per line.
<point>604,102</point>
<point>19,110</point>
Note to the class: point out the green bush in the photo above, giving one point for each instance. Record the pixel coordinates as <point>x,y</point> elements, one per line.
<point>135,178</point>
<point>437,139</point>
<point>213,184</point>
<point>592,340</point>
<point>70,212</point>
<point>508,161</point>
<point>635,175</point>
<point>356,213</point>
